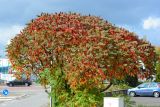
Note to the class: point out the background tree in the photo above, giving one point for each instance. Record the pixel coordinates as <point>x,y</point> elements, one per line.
<point>75,53</point>
<point>158,64</point>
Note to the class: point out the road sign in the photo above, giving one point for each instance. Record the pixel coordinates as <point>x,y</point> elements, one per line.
<point>5,92</point>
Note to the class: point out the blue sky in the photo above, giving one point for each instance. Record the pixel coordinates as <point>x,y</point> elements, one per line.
<point>139,16</point>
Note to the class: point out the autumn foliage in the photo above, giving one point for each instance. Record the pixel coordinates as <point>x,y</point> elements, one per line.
<point>158,64</point>
<point>85,50</point>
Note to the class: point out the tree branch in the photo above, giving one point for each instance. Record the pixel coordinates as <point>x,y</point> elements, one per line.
<point>108,86</point>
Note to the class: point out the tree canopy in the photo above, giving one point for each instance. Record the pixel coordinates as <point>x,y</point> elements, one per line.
<point>158,64</point>
<point>82,50</point>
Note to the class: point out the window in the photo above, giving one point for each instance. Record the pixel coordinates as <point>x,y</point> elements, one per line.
<point>153,85</point>
<point>144,85</point>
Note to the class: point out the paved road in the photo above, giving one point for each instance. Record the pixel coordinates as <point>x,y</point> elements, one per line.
<point>146,101</point>
<point>32,88</point>
<point>34,97</point>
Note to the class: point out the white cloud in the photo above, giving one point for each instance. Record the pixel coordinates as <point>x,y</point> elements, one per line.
<point>151,23</point>
<point>7,33</point>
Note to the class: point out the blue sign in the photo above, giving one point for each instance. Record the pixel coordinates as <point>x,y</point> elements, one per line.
<point>5,92</point>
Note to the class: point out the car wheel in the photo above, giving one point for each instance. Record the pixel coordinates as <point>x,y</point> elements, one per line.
<point>10,84</point>
<point>26,84</point>
<point>132,94</point>
<point>156,94</point>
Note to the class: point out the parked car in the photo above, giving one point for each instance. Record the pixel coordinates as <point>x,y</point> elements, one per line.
<point>19,82</point>
<point>146,89</point>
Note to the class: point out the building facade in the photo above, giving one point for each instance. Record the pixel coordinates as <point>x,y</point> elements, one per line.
<point>4,65</point>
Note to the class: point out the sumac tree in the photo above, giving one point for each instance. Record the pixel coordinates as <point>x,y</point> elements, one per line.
<point>75,53</point>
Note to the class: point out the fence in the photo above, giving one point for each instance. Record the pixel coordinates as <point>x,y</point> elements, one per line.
<point>118,92</point>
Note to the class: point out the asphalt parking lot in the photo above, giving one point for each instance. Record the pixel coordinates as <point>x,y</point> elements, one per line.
<point>146,101</point>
